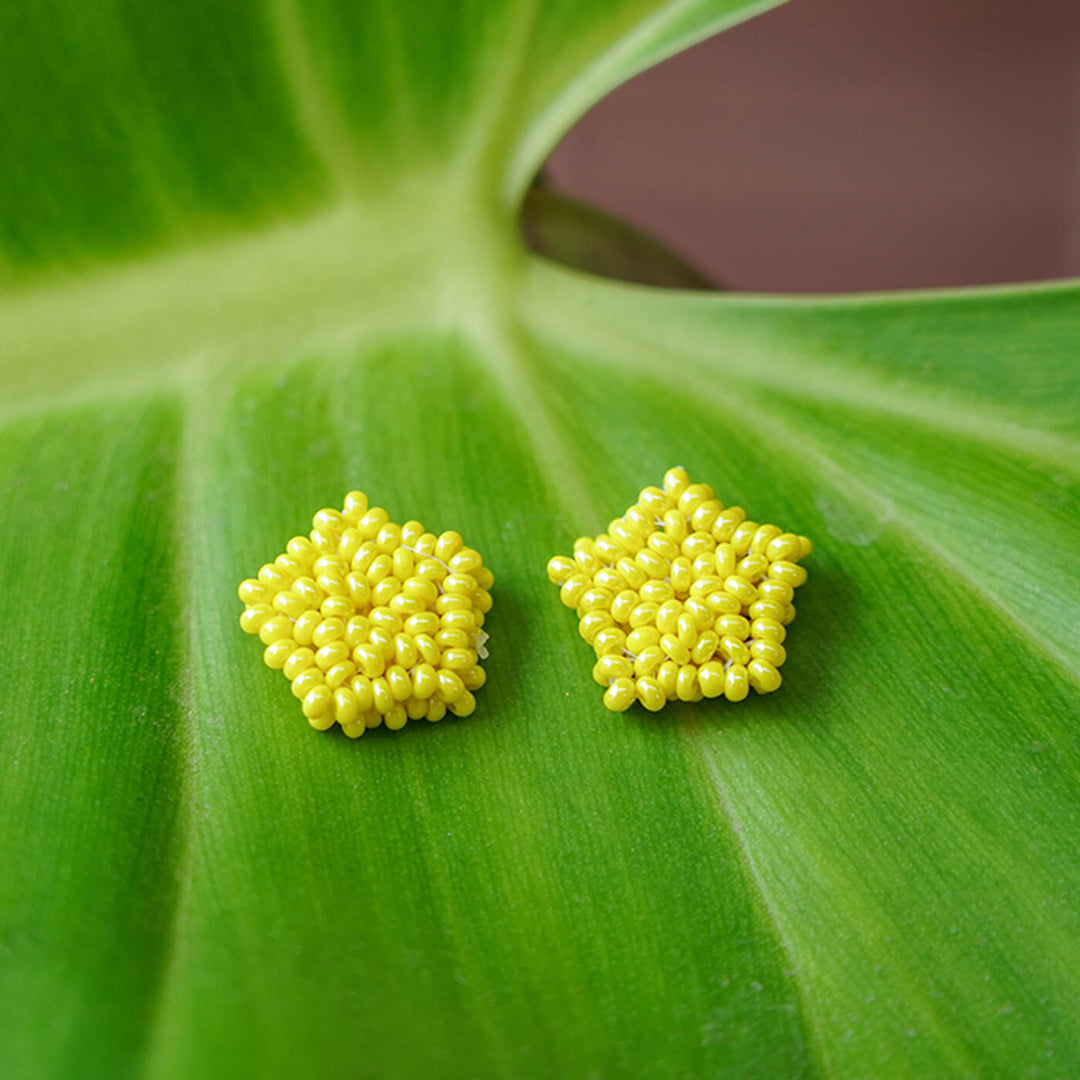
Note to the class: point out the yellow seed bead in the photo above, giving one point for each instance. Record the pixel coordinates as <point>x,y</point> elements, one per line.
<point>290,605</point>
<point>317,701</point>
<point>676,526</point>
<point>411,532</point>
<point>431,570</point>
<point>436,710</point>
<point>332,584</point>
<point>772,651</point>
<point>369,659</point>
<point>254,616</point>
<point>371,522</point>
<point>722,603</point>
<point>381,567</point>
<point>686,685</point>
<point>372,718</point>
<point>785,547</point>
<point>293,567</point>
<point>620,695</point>
<point>612,667</point>
<point>337,607</point>
<point>648,660</point>
<point>700,613</point>
<point>632,575</point>
<point>706,647</point>
<point>253,591</point>
<point>763,536</point>
<point>425,681</point>
<point>426,545</point>
<point>753,568</point>
<point>698,544</point>
<point>640,520</point>
<point>275,629</point>
<point>324,541</point>
<point>348,546</point>
<point>651,564</point>
<point>560,568</point>
<point>788,572</point>
<point>464,705</point>
<point>591,624</point>
<point>474,678</point>
<point>322,723</point>
<point>340,673</point>
<point>430,652</point>
<point>420,588</point>
<point>415,709</point>
<point>466,561</point>
<point>328,630</point>
<point>740,588</point>
<point>650,694</point>
<point>298,661</point>
<point>682,575</point>
<point>668,677</point>
<point>383,698</point>
<point>404,563</point>
<point>607,549</point>
<point>687,631</point>
<point>462,619</point>
<point>482,600</point>
<point>595,600</point>
<point>607,577</point>
<point>450,685</point>
<point>404,606</point>
<point>447,546</point>
<point>775,592</point>
<point>640,639</point>
<point>662,545</point>
<point>355,729</point>
<point>396,718</point>
<point>573,589</point>
<point>692,497</point>
<point>764,677</point>
<point>676,481</point>
<point>705,515</point>
<point>385,591</point>
<point>356,504</point>
<point>424,622</point>
<point>667,616</point>
<point>405,650</point>
<point>458,659</point>
<point>703,565</point>
<point>397,678</point>
<point>657,592</point>
<point>628,539</point>
<point>711,679</point>
<point>382,640</point>
<point>734,650</point>
<point>789,614</point>
<point>736,683</point>
<point>484,578</point>
<point>643,615</point>
<point>654,502</point>
<point>768,630</point>
<point>332,653</point>
<point>361,686</point>
<point>736,626</point>
<point>345,706</point>
<point>273,577</point>
<point>767,609</point>
<point>359,589</point>
<point>805,547</point>
<point>306,681</point>
<point>610,640</point>
<point>623,604</point>
<point>276,655</point>
<point>743,537</point>
<point>674,649</point>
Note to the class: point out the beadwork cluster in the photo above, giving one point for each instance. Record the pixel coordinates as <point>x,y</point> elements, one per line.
<point>682,598</point>
<point>373,622</point>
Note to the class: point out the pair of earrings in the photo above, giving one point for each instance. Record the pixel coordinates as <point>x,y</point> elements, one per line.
<point>377,623</point>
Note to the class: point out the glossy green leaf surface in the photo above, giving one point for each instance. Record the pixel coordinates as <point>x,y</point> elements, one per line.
<point>258,255</point>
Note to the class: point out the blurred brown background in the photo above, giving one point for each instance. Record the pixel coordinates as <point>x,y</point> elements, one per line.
<point>853,144</point>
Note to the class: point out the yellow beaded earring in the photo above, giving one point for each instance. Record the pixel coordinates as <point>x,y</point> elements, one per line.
<point>373,622</point>
<point>683,599</point>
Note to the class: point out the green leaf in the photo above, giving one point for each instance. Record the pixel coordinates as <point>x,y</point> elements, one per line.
<point>258,255</point>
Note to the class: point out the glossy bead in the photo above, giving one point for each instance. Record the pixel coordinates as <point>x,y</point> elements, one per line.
<point>345,706</point>
<point>667,616</point>
<point>643,615</point>
<point>592,623</point>
<point>772,651</point>
<point>667,676</point>
<point>651,564</point>
<point>648,660</point>
<point>682,575</point>
<point>651,694</point>
<point>253,617</point>
<point>706,647</point>
<point>752,567</point>
<point>737,626</point>
<point>298,661</point>
<point>675,649</point>
<point>700,613</point>
<point>328,630</point>
<point>775,591</point>
<point>620,695</point>
<point>788,572</point>
<point>333,653</point>
<point>274,629</point>
<point>474,677</point>
<point>436,710</point>
<point>768,630</point>
<point>731,648</point>
<point>676,481</point>
<point>764,677</point>
<point>464,705</point>
<point>317,701</point>
<point>736,683</point>
<point>560,568</point>
<point>253,591</point>
<point>429,651</point>
<point>785,547</point>
<point>370,660</point>
<point>609,640</point>
<point>290,605</point>
<point>676,526</point>
<point>687,683</point>
<point>725,525</point>
<point>722,603</point>
<point>741,589</point>
<point>277,653</point>
<point>641,638</point>
<point>711,678</point>
<point>766,609</point>
<point>657,592</point>
<point>396,718</point>
<point>450,685</point>
<point>339,674</point>
<point>306,681</point>
<point>612,667</point>
<point>687,631</point>
<point>415,709</point>
<point>789,614</point>
<point>425,681</point>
